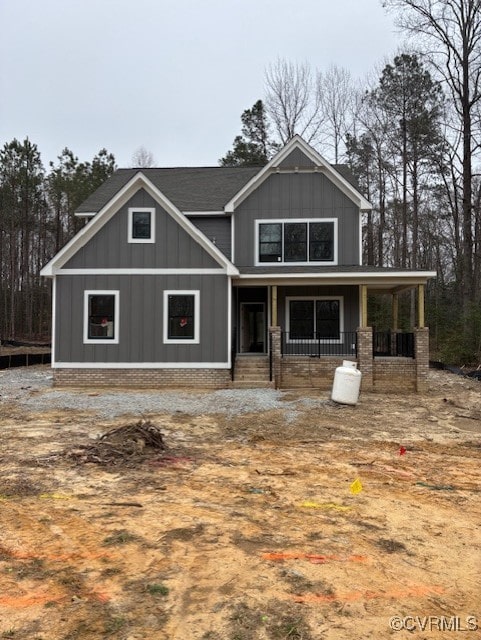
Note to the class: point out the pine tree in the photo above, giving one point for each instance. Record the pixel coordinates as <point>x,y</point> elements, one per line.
<point>253,147</point>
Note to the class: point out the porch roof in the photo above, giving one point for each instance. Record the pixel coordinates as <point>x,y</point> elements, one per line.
<point>381,279</point>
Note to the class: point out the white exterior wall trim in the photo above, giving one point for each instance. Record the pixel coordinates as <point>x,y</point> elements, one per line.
<point>141,365</point>
<point>137,272</point>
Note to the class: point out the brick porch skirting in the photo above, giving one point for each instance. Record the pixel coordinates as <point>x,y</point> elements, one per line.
<point>143,378</point>
<point>388,374</point>
<point>394,374</point>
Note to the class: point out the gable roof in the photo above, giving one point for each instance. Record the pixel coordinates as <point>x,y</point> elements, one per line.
<point>189,189</point>
<point>136,182</point>
<point>318,164</point>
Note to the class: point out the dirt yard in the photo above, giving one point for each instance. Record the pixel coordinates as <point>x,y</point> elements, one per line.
<point>304,520</point>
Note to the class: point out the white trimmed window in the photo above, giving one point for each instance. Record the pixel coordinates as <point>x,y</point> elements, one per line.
<point>181,317</point>
<point>299,241</point>
<point>141,224</point>
<point>101,317</point>
<point>315,318</point>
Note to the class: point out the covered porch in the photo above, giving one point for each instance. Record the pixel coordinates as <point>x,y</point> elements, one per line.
<point>304,327</point>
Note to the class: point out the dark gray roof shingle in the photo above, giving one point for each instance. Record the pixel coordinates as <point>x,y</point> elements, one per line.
<point>188,188</point>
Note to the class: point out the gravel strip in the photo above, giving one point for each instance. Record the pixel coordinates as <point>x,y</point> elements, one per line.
<point>31,389</point>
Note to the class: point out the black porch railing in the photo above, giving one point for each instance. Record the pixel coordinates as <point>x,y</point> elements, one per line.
<point>233,353</point>
<point>271,357</point>
<point>384,344</point>
<point>393,343</point>
<point>344,344</point>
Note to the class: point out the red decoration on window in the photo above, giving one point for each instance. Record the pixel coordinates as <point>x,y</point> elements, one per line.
<point>183,322</point>
<point>104,322</point>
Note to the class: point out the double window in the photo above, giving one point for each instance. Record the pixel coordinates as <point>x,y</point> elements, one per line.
<point>181,317</point>
<point>101,317</point>
<point>297,241</point>
<point>141,225</point>
<point>314,318</point>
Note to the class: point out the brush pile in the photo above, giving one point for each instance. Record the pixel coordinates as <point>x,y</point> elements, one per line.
<point>128,444</point>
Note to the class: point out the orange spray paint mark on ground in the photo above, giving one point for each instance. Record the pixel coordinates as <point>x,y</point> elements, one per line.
<point>312,557</point>
<point>352,596</point>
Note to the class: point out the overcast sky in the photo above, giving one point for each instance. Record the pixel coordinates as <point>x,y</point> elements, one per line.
<point>171,75</point>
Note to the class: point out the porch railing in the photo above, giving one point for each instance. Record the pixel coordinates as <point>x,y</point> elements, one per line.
<point>271,359</point>
<point>393,343</point>
<point>344,344</point>
<point>384,343</point>
<point>233,353</point>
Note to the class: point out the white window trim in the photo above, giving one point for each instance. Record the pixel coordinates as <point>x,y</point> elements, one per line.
<point>314,340</point>
<point>182,292</point>
<point>133,210</point>
<point>323,263</point>
<point>101,292</point>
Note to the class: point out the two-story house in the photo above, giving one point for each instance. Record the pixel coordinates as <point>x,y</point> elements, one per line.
<point>221,276</point>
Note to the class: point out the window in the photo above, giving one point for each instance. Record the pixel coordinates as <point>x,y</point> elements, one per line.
<point>299,241</point>
<point>270,242</point>
<point>101,317</point>
<point>181,317</point>
<point>141,224</point>
<point>314,318</point>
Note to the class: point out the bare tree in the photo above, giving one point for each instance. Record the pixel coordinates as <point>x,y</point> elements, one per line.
<point>449,31</point>
<point>142,158</point>
<point>293,100</point>
<point>338,100</point>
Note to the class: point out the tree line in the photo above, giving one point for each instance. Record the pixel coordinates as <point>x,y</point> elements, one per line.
<point>411,138</point>
<point>37,219</point>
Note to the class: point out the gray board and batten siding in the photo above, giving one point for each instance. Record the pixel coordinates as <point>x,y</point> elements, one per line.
<point>173,247</point>
<point>217,229</point>
<point>140,321</point>
<point>296,195</point>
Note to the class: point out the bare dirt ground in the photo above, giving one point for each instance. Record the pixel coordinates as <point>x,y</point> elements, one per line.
<point>246,526</point>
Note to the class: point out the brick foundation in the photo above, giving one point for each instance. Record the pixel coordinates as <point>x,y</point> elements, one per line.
<point>143,378</point>
<point>388,374</point>
<point>394,375</point>
<point>302,371</point>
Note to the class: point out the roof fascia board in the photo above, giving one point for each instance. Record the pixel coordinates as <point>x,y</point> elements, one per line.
<point>298,143</point>
<point>137,181</point>
<point>394,279</point>
<point>204,213</point>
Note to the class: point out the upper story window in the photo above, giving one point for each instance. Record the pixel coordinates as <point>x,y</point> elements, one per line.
<point>101,317</point>
<point>297,241</point>
<point>141,224</point>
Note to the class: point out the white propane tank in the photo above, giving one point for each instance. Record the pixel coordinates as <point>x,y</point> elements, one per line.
<point>347,383</point>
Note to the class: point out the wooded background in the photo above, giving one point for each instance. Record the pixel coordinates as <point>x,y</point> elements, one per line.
<point>411,136</point>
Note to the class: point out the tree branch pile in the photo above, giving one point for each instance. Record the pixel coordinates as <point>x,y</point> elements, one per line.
<point>128,444</point>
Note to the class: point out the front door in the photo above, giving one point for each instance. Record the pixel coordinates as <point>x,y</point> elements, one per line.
<point>252,327</point>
